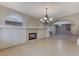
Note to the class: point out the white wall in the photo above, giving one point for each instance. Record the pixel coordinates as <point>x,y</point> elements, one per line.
<point>51,28</point>
<point>12,36</point>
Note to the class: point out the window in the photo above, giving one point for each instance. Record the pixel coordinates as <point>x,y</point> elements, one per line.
<point>14,20</point>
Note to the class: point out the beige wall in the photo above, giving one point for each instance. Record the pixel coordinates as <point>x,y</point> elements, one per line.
<point>33,22</point>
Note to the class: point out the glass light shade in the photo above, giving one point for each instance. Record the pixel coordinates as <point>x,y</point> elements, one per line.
<point>41,19</point>
<point>45,18</point>
<point>50,19</point>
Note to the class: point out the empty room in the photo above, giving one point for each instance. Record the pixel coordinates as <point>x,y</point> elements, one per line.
<point>39,28</point>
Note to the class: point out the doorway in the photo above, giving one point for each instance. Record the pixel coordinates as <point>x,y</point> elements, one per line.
<point>63,29</point>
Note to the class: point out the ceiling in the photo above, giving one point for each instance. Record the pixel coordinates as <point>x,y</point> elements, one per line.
<point>37,9</point>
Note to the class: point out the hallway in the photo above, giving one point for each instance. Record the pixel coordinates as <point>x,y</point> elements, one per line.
<point>55,46</point>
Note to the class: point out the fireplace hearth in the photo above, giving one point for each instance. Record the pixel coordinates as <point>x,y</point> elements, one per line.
<point>32,36</point>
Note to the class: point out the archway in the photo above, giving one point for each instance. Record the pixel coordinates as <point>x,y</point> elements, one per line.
<point>63,27</point>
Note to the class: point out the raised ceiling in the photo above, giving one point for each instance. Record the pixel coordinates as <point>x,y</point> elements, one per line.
<point>37,9</point>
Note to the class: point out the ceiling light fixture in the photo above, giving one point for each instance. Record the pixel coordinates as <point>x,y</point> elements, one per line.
<point>46,20</point>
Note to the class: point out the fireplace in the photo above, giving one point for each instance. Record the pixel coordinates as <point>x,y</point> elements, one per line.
<point>32,36</point>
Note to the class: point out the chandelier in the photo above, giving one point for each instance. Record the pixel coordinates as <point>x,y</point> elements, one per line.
<point>46,20</point>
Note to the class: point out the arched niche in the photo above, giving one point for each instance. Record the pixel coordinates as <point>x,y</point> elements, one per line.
<point>15,20</point>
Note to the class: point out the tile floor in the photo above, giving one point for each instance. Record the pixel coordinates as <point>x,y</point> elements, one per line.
<point>57,45</point>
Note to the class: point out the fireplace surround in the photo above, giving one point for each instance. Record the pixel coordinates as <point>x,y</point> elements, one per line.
<point>32,36</point>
